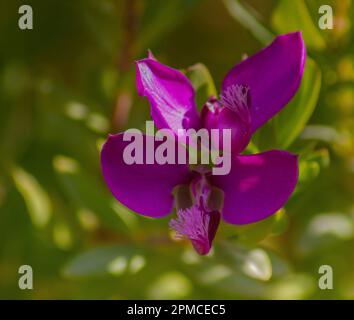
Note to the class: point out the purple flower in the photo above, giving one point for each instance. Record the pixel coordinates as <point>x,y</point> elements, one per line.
<point>256,187</point>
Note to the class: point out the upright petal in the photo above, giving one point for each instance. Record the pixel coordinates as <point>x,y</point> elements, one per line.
<point>143,188</point>
<point>214,115</point>
<point>170,94</point>
<point>257,186</point>
<point>273,76</point>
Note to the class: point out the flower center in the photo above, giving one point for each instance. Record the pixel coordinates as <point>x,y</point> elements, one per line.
<point>237,98</point>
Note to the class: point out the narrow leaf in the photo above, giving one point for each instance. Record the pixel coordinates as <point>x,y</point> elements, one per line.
<point>202,81</point>
<point>110,260</point>
<point>36,198</point>
<point>257,265</point>
<point>292,120</point>
<point>249,21</point>
<point>292,16</point>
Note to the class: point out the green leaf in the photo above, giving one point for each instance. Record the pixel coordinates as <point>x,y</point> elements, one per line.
<point>311,164</point>
<point>62,236</point>
<point>281,222</point>
<point>308,171</point>
<point>325,230</point>
<point>111,260</point>
<point>292,16</point>
<point>292,287</point>
<point>36,198</point>
<point>320,156</point>
<point>81,188</point>
<point>323,133</point>
<point>236,269</point>
<point>159,18</point>
<point>202,81</point>
<point>257,265</point>
<point>248,20</point>
<point>292,120</point>
<point>171,285</point>
<point>253,233</point>
<point>251,148</point>
<point>264,262</point>
<point>265,137</point>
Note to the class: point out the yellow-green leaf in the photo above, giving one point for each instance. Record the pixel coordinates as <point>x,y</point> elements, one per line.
<point>292,120</point>
<point>291,16</point>
<point>36,198</point>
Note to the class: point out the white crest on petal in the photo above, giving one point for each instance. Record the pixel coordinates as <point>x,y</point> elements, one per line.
<point>192,223</point>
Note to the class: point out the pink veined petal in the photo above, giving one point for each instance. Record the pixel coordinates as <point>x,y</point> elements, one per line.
<point>170,93</point>
<point>257,186</point>
<point>143,188</point>
<point>273,76</point>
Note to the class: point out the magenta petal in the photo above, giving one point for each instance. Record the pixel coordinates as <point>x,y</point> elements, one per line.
<point>143,188</point>
<point>198,223</point>
<point>257,186</point>
<point>170,94</point>
<point>273,75</point>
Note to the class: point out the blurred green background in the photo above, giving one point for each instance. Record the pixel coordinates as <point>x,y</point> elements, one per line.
<point>70,81</point>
